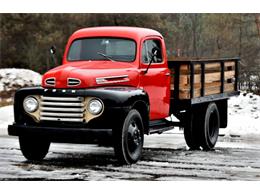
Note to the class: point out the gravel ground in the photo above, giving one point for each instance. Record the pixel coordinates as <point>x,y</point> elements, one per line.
<point>165,157</point>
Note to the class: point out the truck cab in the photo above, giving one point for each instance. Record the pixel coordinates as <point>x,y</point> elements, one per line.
<point>116,56</point>
<point>114,86</point>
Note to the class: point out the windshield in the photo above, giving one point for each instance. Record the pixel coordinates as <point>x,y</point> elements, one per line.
<point>117,49</point>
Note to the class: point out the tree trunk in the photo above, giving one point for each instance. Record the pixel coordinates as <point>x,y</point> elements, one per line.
<point>257,21</point>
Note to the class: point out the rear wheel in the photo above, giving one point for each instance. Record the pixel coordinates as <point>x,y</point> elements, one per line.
<point>129,140</point>
<point>209,127</point>
<point>34,148</point>
<point>190,131</point>
<point>202,127</point>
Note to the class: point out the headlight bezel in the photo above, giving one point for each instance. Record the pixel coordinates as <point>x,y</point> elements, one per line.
<point>99,102</point>
<point>25,104</point>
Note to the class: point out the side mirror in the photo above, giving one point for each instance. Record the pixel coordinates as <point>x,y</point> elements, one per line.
<point>155,53</point>
<point>53,56</point>
<point>53,50</point>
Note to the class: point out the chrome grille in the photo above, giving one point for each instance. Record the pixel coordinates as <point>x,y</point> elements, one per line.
<point>73,82</point>
<point>70,109</point>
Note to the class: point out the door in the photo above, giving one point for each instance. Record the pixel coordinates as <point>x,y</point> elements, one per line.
<point>156,82</point>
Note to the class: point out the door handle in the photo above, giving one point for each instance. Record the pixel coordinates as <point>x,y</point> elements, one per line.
<point>167,74</point>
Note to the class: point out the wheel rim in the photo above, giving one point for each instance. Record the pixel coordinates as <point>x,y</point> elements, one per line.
<point>134,140</point>
<point>213,124</point>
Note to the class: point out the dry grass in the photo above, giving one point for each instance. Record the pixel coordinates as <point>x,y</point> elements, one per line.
<point>5,102</point>
<point>6,98</point>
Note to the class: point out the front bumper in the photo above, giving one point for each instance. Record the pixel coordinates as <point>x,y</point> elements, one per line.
<point>63,134</point>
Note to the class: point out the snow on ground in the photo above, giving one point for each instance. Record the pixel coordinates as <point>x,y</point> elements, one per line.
<point>243,115</point>
<point>6,118</point>
<point>11,78</point>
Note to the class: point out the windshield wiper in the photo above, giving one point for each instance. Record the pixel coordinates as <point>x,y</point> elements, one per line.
<point>106,56</point>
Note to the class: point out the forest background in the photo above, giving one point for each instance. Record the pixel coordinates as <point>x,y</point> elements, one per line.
<point>25,39</point>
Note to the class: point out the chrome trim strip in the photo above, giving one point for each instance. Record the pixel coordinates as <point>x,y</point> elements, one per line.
<point>72,82</point>
<point>61,104</point>
<point>55,114</point>
<point>62,109</point>
<point>50,84</point>
<point>62,119</point>
<point>68,99</point>
<point>105,80</point>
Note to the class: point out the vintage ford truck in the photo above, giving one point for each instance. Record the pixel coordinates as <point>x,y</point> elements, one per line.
<point>115,84</point>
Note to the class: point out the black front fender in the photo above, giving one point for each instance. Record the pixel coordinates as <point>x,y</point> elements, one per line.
<point>117,102</point>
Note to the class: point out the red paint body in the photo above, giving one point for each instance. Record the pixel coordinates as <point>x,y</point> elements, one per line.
<point>156,82</point>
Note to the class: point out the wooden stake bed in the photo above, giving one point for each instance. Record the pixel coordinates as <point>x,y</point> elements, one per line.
<point>199,78</point>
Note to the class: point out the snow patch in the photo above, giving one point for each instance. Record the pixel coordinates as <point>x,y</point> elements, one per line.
<point>6,118</point>
<point>12,78</point>
<point>243,115</point>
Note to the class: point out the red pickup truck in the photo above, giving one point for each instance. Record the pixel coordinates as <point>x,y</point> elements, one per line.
<point>115,84</point>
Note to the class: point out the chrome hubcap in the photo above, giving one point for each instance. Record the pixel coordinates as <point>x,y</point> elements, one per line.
<point>134,136</point>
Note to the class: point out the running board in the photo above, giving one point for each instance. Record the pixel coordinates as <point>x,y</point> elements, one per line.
<point>160,126</point>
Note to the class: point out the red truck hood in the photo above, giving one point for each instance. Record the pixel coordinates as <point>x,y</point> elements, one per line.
<point>92,74</point>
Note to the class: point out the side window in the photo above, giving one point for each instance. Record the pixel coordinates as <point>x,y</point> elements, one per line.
<point>147,48</point>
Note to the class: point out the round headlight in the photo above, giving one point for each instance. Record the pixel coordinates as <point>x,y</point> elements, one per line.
<point>95,106</point>
<point>30,104</point>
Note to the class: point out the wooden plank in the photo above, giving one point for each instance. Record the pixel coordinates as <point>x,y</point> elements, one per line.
<point>213,65</point>
<point>230,63</point>
<point>209,68</point>
<point>185,69</point>
<point>185,79</point>
<point>209,77</point>
<point>229,74</point>
<point>229,87</point>
<point>198,85</point>
<point>212,90</point>
<point>186,94</point>
<point>229,66</point>
<point>210,81</point>
<point>212,77</point>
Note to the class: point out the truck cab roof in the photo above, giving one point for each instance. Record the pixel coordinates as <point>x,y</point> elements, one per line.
<point>135,33</point>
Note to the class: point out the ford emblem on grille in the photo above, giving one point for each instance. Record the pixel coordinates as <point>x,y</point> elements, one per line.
<point>73,82</point>
<point>50,81</point>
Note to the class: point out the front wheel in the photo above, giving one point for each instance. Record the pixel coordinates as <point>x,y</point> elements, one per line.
<point>129,140</point>
<point>34,148</point>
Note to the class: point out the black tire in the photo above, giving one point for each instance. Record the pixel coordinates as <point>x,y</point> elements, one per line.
<point>129,139</point>
<point>209,127</point>
<point>191,134</point>
<point>34,148</point>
